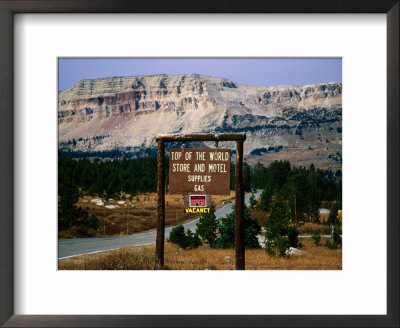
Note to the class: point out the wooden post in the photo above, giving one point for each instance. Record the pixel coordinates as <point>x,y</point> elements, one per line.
<point>160,206</point>
<point>239,208</point>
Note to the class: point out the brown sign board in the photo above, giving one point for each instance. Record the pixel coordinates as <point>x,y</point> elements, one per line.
<point>199,171</point>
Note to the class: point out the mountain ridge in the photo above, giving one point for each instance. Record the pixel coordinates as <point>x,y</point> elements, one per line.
<point>122,112</point>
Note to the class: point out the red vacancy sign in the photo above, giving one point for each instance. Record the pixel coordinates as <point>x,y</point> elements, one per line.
<point>199,170</point>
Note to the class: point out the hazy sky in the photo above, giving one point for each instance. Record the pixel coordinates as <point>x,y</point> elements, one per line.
<point>251,71</point>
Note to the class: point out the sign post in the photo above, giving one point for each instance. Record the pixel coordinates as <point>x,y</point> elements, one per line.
<point>200,170</point>
<point>239,208</point>
<point>160,206</point>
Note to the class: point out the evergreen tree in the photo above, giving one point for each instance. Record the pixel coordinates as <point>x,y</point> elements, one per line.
<point>246,177</point>
<point>207,227</point>
<point>226,239</point>
<point>68,213</point>
<point>182,238</point>
<point>67,210</point>
<point>276,230</point>
<point>177,236</point>
<point>253,201</point>
<point>333,215</point>
<point>265,199</point>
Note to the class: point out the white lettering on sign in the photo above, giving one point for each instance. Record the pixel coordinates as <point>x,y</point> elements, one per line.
<point>199,167</point>
<point>217,168</point>
<point>219,156</point>
<point>201,155</point>
<point>181,167</point>
<point>193,170</point>
<point>175,156</point>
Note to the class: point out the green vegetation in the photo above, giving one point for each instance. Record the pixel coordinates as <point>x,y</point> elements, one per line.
<point>110,177</point>
<point>303,189</point>
<point>317,239</point>
<point>217,233</point>
<point>276,229</point>
<point>307,187</point>
<point>293,196</point>
<point>334,222</point>
<point>336,240</point>
<point>333,218</point>
<point>69,215</point>
<point>253,201</point>
<point>226,238</point>
<point>280,233</point>
<point>207,227</point>
<point>184,239</point>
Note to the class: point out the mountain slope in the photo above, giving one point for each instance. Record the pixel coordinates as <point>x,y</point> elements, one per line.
<point>127,112</point>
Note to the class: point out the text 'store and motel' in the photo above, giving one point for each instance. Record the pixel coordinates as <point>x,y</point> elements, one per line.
<point>199,170</point>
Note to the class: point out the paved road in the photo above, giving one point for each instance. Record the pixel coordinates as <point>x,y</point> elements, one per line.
<point>78,246</point>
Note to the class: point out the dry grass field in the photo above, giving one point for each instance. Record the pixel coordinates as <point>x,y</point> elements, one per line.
<point>142,258</point>
<point>141,217</point>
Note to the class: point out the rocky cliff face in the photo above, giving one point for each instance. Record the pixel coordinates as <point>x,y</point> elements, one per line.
<point>126,113</point>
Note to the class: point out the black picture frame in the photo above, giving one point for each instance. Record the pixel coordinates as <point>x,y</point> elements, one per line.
<point>7,11</point>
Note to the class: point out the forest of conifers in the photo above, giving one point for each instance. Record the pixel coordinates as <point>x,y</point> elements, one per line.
<point>132,176</point>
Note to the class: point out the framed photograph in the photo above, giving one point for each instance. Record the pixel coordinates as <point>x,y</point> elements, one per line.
<point>311,86</point>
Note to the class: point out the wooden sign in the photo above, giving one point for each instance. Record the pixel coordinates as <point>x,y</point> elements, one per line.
<point>199,171</point>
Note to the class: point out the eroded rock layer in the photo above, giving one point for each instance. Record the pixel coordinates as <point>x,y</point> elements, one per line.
<point>126,113</point>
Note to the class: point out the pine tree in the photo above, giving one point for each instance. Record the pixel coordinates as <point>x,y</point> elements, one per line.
<point>67,210</point>
<point>226,228</point>
<point>207,227</point>
<point>253,201</point>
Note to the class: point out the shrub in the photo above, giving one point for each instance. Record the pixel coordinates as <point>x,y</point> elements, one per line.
<point>251,231</point>
<point>293,236</point>
<point>277,230</point>
<point>85,232</point>
<point>317,239</point>
<point>177,236</point>
<point>67,209</point>
<point>192,239</point>
<point>265,200</point>
<point>207,227</point>
<point>270,246</point>
<point>337,238</point>
<point>277,246</point>
<point>333,214</point>
<point>184,239</point>
<point>253,201</point>
<point>282,244</point>
<point>92,222</point>
<point>226,228</point>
